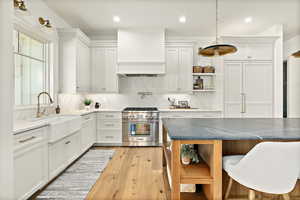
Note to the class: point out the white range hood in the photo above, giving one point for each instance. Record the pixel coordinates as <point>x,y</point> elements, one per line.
<point>141,52</point>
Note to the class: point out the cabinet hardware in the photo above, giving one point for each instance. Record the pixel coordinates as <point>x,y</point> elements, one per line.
<point>27,139</point>
<point>87,118</point>
<point>68,142</point>
<point>243,103</point>
<point>110,137</point>
<point>108,115</point>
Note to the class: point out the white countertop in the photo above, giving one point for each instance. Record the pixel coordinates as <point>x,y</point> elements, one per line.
<point>26,125</point>
<point>189,110</point>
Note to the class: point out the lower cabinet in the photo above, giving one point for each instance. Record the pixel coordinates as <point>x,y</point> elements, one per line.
<point>63,152</point>
<point>88,131</point>
<point>30,162</point>
<point>109,127</point>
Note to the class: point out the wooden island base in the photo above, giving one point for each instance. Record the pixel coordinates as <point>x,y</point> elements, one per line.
<point>208,172</point>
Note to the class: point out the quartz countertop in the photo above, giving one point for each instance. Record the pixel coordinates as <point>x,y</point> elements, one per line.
<point>189,110</point>
<point>233,129</point>
<point>27,125</point>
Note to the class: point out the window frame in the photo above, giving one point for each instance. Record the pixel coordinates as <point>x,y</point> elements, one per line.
<point>46,60</point>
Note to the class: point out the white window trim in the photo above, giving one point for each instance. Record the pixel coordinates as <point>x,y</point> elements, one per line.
<point>50,39</point>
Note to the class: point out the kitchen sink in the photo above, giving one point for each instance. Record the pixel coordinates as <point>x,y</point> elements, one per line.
<point>60,126</point>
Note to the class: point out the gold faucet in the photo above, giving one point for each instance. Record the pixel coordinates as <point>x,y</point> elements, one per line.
<point>39,113</point>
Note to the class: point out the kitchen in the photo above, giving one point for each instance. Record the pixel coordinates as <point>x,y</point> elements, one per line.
<point>88,98</point>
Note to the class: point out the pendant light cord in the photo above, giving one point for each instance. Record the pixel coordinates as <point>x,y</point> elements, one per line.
<point>217,20</point>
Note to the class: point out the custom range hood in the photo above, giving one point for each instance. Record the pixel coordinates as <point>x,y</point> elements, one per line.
<point>141,52</point>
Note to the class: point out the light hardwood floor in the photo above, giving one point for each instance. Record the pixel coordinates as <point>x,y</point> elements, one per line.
<point>132,174</point>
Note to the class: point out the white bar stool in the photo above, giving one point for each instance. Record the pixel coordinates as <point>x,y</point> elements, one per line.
<point>270,167</point>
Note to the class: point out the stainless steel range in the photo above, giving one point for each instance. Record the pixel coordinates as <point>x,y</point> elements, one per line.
<point>140,126</point>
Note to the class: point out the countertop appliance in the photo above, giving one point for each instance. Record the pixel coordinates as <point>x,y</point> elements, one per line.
<point>140,126</point>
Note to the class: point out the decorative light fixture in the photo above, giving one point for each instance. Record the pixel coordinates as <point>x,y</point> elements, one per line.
<point>248,20</point>
<point>116,19</point>
<point>20,4</point>
<point>296,54</point>
<point>217,49</point>
<point>45,22</point>
<point>182,19</point>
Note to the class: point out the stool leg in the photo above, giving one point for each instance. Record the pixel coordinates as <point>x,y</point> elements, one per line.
<point>286,196</point>
<point>251,195</point>
<point>228,188</point>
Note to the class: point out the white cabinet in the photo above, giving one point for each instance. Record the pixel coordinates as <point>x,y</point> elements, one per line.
<point>74,61</point>
<point>248,89</point>
<point>83,68</point>
<point>63,152</point>
<point>104,66</point>
<point>109,127</point>
<point>30,162</point>
<point>258,48</point>
<point>179,64</point>
<point>88,131</point>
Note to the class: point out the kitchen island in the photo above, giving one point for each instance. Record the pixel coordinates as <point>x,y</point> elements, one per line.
<point>215,138</point>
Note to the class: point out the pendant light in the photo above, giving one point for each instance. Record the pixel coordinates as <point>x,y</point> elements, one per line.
<point>296,54</point>
<point>217,49</point>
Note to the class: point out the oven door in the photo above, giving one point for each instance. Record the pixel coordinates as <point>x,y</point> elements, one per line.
<point>141,130</point>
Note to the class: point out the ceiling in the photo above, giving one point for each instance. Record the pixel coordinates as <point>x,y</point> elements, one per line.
<point>94,17</point>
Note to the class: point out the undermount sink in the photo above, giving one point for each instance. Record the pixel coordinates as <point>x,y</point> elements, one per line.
<point>60,126</point>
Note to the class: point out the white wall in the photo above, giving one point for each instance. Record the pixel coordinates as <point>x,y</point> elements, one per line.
<point>291,46</point>
<point>6,101</point>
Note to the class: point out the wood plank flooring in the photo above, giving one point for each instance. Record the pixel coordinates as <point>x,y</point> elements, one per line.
<point>132,174</point>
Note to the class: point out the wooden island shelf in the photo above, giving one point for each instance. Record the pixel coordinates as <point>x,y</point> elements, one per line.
<point>199,173</point>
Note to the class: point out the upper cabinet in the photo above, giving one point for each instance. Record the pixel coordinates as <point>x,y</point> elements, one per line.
<point>74,61</point>
<point>104,66</point>
<point>179,65</point>
<point>251,48</point>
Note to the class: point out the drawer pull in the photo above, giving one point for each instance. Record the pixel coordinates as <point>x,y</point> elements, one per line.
<point>87,118</point>
<point>109,137</point>
<point>108,115</point>
<point>68,142</point>
<point>27,139</point>
<point>110,125</point>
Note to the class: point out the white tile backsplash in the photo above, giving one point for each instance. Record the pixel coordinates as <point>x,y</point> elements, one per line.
<point>129,87</point>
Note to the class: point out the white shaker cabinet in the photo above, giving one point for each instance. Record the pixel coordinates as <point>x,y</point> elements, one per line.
<point>248,89</point>
<point>179,64</point>
<point>88,131</point>
<point>74,61</point>
<point>109,127</point>
<point>30,162</point>
<point>104,66</point>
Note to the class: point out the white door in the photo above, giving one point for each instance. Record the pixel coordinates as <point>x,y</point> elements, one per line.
<point>233,90</point>
<point>185,70</point>
<point>258,90</point>
<point>83,67</point>
<point>172,67</point>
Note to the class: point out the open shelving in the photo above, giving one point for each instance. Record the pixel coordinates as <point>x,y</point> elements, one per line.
<point>208,174</point>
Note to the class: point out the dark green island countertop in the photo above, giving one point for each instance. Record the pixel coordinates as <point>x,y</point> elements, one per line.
<point>232,129</point>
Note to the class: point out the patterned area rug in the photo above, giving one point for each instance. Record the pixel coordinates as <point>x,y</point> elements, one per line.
<point>76,182</point>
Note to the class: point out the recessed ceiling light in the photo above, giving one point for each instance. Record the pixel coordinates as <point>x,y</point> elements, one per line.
<point>182,19</point>
<point>248,19</point>
<point>116,19</point>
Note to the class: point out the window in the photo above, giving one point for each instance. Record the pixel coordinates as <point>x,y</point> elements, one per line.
<point>31,69</point>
